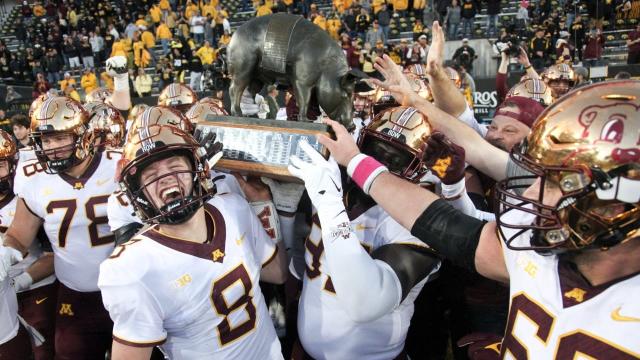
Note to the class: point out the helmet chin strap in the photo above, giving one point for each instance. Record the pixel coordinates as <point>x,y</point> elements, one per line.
<point>616,236</point>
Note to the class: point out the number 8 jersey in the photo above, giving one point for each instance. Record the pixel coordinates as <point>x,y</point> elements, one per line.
<point>199,300</point>
<point>74,214</point>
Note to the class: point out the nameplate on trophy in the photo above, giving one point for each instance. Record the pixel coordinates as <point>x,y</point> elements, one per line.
<point>263,147</point>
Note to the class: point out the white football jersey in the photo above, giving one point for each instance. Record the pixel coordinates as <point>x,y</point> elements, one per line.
<point>325,329</point>
<point>201,301</point>
<point>8,312</point>
<point>7,211</point>
<point>74,212</point>
<point>121,212</point>
<point>556,314</point>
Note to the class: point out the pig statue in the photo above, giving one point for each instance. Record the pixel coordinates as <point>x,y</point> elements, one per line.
<point>290,51</point>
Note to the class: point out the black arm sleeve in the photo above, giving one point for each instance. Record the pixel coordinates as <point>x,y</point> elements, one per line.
<point>451,233</point>
<point>126,232</point>
<point>410,263</point>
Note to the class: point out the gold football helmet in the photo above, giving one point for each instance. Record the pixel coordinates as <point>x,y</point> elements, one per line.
<point>177,96</point>
<point>219,103</point>
<point>8,153</point>
<point>362,102</point>
<point>98,95</point>
<point>61,115</point>
<point>560,78</point>
<point>161,115</point>
<point>37,102</point>
<point>200,110</point>
<point>416,69</point>
<point>107,124</point>
<point>153,142</point>
<point>586,146</point>
<point>396,137</point>
<point>533,89</point>
<point>421,86</point>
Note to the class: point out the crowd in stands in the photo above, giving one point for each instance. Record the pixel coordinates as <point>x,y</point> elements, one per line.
<point>62,38</point>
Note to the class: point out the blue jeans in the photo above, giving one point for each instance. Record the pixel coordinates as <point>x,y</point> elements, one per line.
<point>453,31</point>
<point>492,24</point>
<point>385,33</point>
<point>199,38</point>
<point>467,27</point>
<point>165,46</point>
<point>53,78</point>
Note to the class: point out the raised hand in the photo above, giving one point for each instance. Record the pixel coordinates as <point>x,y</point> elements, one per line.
<point>444,158</point>
<point>435,57</point>
<point>394,81</point>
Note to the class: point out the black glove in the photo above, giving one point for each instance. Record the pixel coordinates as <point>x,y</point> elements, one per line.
<point>208,142</point>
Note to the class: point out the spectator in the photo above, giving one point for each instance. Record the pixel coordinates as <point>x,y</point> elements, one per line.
<point>86,52</point>
<point>423,42</point>
<point>206,53</point>
<point>66,82</point>
<point>374,34</point>
<point>106,79</point>
<point>578,35</point>
<point>70,53</point>
<point>563,48</point>
<point>320,21</point>
<point>88,81</point>
<point>263,9</point>
<point>143,83</point>
<point>633,44</point>
<point>165,72</point>
<point>594,46</point>
<point>493,9</point>
<point>21,126</point>
<point>334,25</point>
<point>97,46</point>
<point>195,71</point>
<point>272,94</point>
<point>164,35</point>
<point>400,7</point>
<point>225,39</point>
<point>465,55</point>
<point>40,86</point>
<point>197,27</point>
<point>418,29</point>
<point>468,14</point>
<point>179,64</point>
<point>5,70</point>
<point>582,76</point>
<point>452,20</point>
<point>362,23</point>
<point>71,92</point>
<point>415,55</point>
<point>349,22</point>
<point>522,16</point>
<point>539,49</point>
<point>12,95</point>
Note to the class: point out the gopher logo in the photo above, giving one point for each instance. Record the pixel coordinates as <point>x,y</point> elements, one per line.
<point>605,124</point>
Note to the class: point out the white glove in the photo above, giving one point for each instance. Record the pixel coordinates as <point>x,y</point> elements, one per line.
<point>116,65</point>
<point>8,257</point>
<point>321,177</point>
<point>22,282</point>
<point>286,196</point>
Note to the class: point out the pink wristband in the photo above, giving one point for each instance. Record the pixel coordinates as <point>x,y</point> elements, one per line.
<point>364,169</point>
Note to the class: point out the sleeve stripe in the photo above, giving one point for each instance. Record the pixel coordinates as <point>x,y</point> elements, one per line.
<point>137,343</point>
<point>270,259</point>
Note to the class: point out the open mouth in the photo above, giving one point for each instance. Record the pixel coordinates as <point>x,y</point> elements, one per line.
<point>171,194</point>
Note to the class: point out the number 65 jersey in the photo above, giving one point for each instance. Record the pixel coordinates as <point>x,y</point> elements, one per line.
<point>555,313</point>
<point>199,300</point>
<point>74,214</point>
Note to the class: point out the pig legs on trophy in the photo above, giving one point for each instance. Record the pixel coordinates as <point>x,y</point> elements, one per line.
<point>303,96</point>
<point>238,84</point>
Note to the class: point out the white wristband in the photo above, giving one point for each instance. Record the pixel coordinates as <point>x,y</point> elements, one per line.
<point>453,191</point>
<point>121,82</point>
<point>22,282</point>
<point>268,216</point>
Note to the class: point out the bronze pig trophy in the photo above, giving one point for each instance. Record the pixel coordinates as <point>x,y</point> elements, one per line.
<point>289,50</point>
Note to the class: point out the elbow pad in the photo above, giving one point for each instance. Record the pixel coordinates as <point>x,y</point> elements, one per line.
<point>410,263</point>
<point>126,232</point>
<point>451,233</point>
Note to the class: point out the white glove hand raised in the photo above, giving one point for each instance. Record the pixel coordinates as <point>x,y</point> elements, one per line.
<point>116,65</point>
<point>8,257</point>
<point>286,196</point>
<point>321,177</point>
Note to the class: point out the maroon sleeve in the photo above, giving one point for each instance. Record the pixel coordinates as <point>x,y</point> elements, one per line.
<point>501,87</point>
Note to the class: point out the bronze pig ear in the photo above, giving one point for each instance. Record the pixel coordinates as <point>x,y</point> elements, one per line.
<point>357,73</point>
<point>362,85</point>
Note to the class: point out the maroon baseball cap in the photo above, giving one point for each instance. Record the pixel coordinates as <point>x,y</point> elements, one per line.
<point>529,109</point>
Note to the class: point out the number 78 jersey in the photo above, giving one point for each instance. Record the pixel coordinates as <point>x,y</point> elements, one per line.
<point>74,214</point>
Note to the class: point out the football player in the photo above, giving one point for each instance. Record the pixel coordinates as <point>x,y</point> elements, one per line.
<point>190,281</point>
<point>567,245</point>
<point>363,269</point>
<point>177,96</point>
<point>560,78</point>
<point>66,190</point>
<point>32,278</point>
